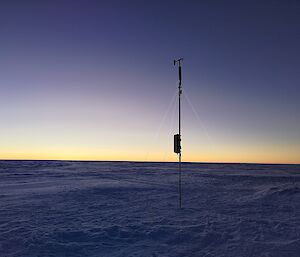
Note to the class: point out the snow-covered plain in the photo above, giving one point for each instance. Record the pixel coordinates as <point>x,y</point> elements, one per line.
<point>63,208</point>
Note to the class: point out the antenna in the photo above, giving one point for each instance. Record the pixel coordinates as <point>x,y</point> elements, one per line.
<point>177,137</point>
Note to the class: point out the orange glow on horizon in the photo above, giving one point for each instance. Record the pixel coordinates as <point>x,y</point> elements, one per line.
<point>86,154</point>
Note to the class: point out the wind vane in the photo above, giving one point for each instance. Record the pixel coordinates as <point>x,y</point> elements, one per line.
<point>177,137</point>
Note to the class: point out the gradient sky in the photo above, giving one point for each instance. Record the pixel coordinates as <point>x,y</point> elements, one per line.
<point>94,80</point>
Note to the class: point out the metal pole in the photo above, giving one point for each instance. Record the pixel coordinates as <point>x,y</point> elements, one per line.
<point>179,128</point>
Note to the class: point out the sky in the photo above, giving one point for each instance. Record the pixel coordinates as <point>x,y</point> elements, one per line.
<point>94,80</point>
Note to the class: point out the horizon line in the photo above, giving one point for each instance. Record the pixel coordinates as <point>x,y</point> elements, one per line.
<point>199,162</point>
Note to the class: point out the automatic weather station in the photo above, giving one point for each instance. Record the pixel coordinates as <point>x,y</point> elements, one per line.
<point>177,137</point>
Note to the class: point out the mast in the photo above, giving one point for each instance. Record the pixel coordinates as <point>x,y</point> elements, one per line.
<point>177,137</point>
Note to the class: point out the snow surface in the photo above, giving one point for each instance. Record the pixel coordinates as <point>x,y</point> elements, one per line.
<point>60,208</point>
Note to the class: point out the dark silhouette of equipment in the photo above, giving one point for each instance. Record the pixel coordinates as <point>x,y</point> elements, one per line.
<point>177,137</point>
<point>177,145</point>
